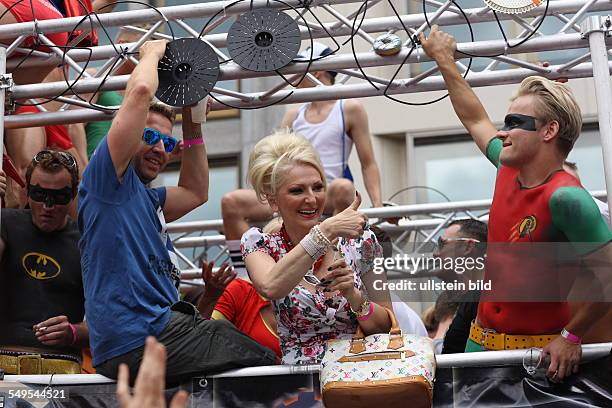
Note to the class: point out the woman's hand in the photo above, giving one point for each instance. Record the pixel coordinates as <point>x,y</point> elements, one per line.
<point>340,278</point>
<point>350,223</point>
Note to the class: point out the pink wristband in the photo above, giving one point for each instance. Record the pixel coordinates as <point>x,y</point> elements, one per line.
<point>367,316</point>
<point>572,338</point>
<point>74,333</point>
<point>193,142</point>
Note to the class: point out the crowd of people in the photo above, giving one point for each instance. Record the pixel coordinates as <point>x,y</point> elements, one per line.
<point>88,264</point>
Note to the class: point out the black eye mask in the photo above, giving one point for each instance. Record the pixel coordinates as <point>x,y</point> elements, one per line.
<point>50,197</point>
<point>518,121</point>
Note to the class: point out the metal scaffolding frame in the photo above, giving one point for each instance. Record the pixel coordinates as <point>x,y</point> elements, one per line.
<point>591,35</point>
<point>414,23</point>
<point>504,358</point>
<point>420,224</point>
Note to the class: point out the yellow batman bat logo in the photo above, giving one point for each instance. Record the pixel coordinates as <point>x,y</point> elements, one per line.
<point>40,266</point>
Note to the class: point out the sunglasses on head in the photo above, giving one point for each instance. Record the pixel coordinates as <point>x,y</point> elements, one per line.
<point>443,241</point>
<point>152,137</point>
<point>50,196</point>
<point>518,121</point>
<point>63,158</point>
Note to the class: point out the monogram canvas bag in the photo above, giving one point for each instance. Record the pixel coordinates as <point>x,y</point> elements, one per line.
<point>389,369</point>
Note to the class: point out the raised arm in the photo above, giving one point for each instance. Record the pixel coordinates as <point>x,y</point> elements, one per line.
<point>359,130</point>
<point>125,134</point>
<point>289,118</point>
<point>192,189</point>
<point>275,280</point>
<point>441,47</point>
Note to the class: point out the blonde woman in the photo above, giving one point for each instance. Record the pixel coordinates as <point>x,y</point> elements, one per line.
<point>319,290</point>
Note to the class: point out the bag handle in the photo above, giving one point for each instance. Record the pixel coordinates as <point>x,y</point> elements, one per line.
<point>396,340</point>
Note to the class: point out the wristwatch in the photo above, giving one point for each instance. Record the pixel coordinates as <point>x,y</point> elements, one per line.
<point>364,307</point>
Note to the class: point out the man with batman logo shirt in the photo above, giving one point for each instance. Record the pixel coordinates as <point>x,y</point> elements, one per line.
<point>42,302</point>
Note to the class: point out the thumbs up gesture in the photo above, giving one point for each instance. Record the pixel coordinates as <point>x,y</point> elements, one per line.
<point>350,223</point>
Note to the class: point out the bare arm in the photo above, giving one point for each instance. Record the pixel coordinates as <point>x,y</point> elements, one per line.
<point>289,118</point>
<point>82,332</point>
<point>274,280</point>
<point>125,134</point>
<point>358,129</point>
<point>441,47</point>
<point>79,140</point>
<point>103,6</point>
<point>192,189</point>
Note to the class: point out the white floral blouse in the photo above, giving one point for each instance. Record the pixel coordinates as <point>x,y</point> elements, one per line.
<point>306,320</point>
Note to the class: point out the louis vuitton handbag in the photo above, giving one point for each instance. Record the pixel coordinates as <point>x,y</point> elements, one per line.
<point>395,370</point>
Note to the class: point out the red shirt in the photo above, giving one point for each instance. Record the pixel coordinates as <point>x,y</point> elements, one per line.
<point>241,305</point>
<point>57,135</point>
<point>523,215</point>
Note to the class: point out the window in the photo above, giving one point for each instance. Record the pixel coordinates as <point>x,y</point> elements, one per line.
<point>222,179</point>
<point>453,165</point>
<point>456,167</point>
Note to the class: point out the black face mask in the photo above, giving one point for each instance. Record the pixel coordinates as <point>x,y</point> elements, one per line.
<point>50,197</point>
<point>518,121</point>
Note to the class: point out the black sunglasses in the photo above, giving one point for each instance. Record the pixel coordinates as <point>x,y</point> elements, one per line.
<point>443,241</point>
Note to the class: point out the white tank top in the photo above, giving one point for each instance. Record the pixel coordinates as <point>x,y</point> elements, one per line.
<point>329,139</point>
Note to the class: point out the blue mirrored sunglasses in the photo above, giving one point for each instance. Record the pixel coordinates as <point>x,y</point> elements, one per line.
<point>152,137</point>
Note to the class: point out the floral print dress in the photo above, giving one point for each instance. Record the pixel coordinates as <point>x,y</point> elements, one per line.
<point>307,320</point>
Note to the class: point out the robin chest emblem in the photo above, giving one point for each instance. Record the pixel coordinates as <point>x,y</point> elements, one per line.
<point>524,228</point>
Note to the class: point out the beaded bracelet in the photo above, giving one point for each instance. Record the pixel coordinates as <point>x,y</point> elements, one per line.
<point>320,234</point>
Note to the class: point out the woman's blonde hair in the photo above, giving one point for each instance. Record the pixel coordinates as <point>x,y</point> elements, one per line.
<point>272,158</point>
<point>555,102</point>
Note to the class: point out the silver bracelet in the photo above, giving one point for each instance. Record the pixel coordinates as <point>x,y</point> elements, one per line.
<point>315,244</point>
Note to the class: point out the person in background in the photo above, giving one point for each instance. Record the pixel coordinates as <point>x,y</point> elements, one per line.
<point>232,298</point>
<point>465,238</point>
<point>42,302</point>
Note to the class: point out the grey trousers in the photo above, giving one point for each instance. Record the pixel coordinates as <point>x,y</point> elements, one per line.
<point>196,347</point>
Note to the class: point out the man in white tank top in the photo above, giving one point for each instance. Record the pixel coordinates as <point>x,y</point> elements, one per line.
<point>332,127</point>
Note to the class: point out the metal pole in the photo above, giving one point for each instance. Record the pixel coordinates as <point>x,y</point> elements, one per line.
<point>148,15</point>
<point>596,28</point>
<point>3,85</point>
<point>370,25</point>
<point>232,71</point>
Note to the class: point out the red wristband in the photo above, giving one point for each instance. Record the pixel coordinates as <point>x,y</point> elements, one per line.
<point>193,142</point>
<point>74,333</point>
